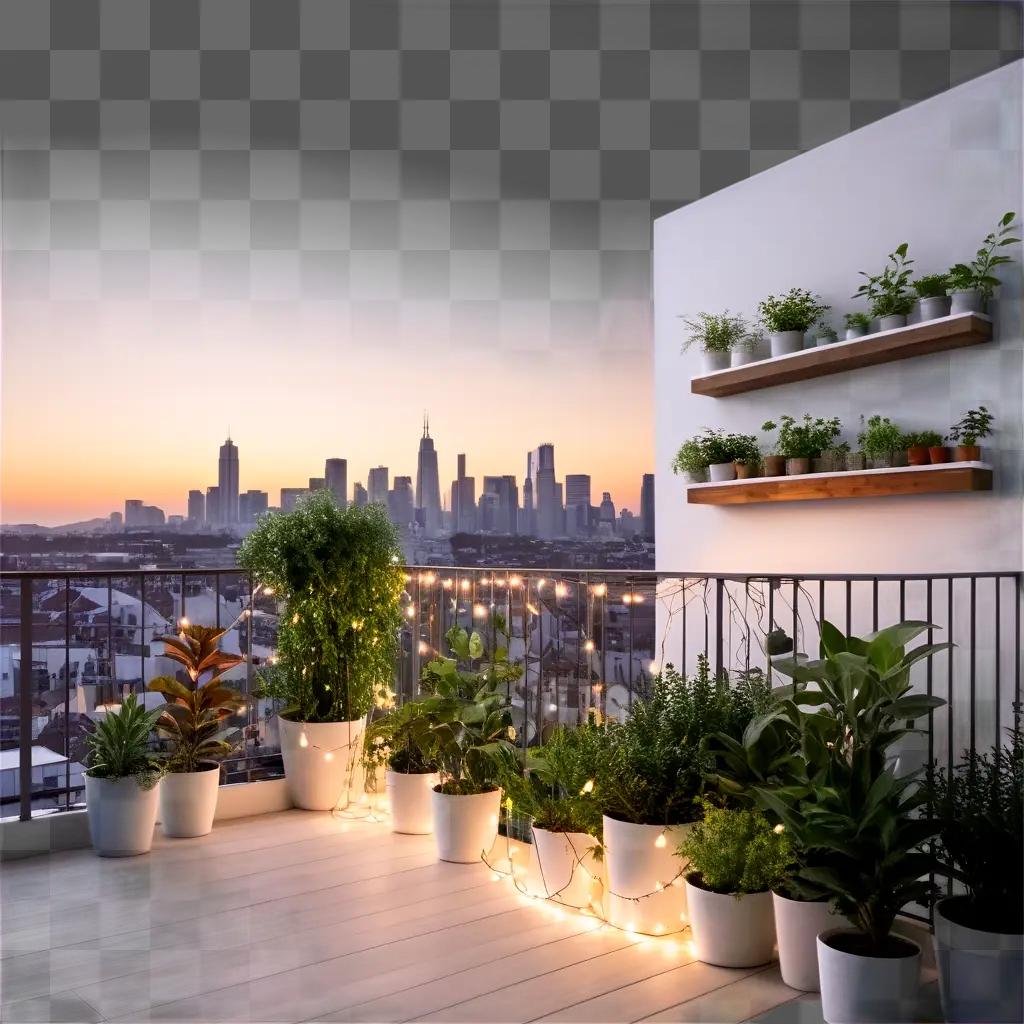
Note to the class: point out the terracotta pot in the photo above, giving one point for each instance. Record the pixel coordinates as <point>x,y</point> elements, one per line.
<point>938,454</point>
<point>797,467</point>
<point>744,470</point>
<point>967,453</point>
<point>917,455</point>
<point>774,465</point>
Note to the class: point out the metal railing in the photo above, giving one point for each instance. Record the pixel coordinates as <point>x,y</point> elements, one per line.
<point>588,641</point>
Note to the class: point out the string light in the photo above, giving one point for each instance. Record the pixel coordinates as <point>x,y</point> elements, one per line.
<point>588,787</point>
<point>464,584</point>
<point>661,842</point>
<point>588,646</point>
<point>183,622</point>
<point>303,740</point>
<point>447,584</point>
<point>561,590</point>
<point>515,581</point>
<point>479,611</point>
<point>268,591</point>
<point>600,589</point>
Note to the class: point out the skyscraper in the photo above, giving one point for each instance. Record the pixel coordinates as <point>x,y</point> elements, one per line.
<point>336,475</point>
<point>359,496</point>
<point>506,509</point>
<point>606,516</point>
<point>377,485</point>
<point>540,469</point>
<point>400,502</point>
<point>251,504</point>
<point>317,483</point>
<point>227,484</point>
<point>213,506</point>
<point>196,506</point>
<point>647,507</point>
<point>463,499</point>
<point>577,504</point>
<point>428,487</point>
<point>290,497</point>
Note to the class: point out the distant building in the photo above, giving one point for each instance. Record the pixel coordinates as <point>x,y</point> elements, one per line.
<point>606,516</point>
<point>252,504</point>
<point>577,504</point>
<point>317,483</point>
<point>176,522</point>
<point>647,507</point>
<point>116,520</point>
<point>132,512</point>
<point>138,515</point>
<point>196,506</point>
<point>463,500</point>
<point>336,475</point>
<point>377,485</point>
<point>400,502</point>
<point>290,496</point>
<point>359,496</point>
<point>213,517</point>
<point>227,484</point>
<point>540,470</point>
<point>428,487</point>
<point>506,511</point>
<point>628,525</point>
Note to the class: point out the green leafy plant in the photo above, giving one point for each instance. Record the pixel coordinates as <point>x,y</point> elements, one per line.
<point>192,722</point>
<point>931,286</point>
<point>340,575</point>
<point>861,320</point>
<point>388,744</point>
<point>888,292</point>
<point>794,311</point>
<point>979,807</point>
<point>975,424</point>
<point>922,439</point>
<point>827,331</point>
<point>978,273</point>
<point>119,746</point>
<point>690,458</point>
<point>805,439</point>
<point>713,447</point>
<point>715,332</point>
<point>880,437</point>
<point>778,642</point>
<point>737,851</point>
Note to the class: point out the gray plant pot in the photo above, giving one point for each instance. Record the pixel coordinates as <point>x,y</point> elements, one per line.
<point>714,361</point>
<point>824,339</point>
<point>785,343</point>
<point>892,321</point>
<point>855,332</point>
<point>742,355</point>
<point>966,300</point>
<point>934,307</point>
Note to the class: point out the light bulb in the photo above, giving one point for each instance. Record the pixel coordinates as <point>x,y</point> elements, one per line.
<point>588,787</point>
<point>303,741</point>
<point>661,842</point>
<point>328,755</point>
<point>268,591</point>
<point>588,646</point>
<point>183,622</point>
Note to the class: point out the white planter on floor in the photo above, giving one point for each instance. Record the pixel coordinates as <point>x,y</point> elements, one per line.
<point>320,772</point>
<point>122,816</point>
<point>729,930</point>
<point>715,361</point>
<point>188,802</point>
<point>981,974</point>
<point>721,471</point>
<point>785,342</point>
<point>867,989</point>
<point>409,795</point>
<point>797,926</point>
<point>566,865</point>
<point>637,862</point>
<point>465,827</point>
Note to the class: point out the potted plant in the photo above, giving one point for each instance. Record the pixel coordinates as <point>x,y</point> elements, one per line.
<point>778,644</point>
<point>832,459</point>
<point>965,434</point>
<point>715,453</point>
<point>689,462</point>
<point>751,348</point>
<point>649,782</point>
<point>192,723</point>
<point>979,935</point>
<point>736,859</point>
<point>888,292</point>
<point>881,441</point>
<point>919,445</point>
<point>746,455</point>
<point>971,285</point>
<point>932,299</point>
<point>825,334</point>
<point>121,779</point>
<point>857,325</point>
<point>717,334</point>
<point>801,441</point>
<point>339,573</point>
<point>463,724</point>
<point>787,317</point>
<point>773,463</point>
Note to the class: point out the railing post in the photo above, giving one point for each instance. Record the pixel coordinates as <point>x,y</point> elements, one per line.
<point>719,625</point>
<point>25,703</point>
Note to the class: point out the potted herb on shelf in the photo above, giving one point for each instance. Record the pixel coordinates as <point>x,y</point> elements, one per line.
<point>121,778</point>
<point>801,441</point>
<point>979,934</point>
<point>881,441</point>
<point>689,462</point>
<point>932,300</point>
<point>717,453</point>
<point>888,292</point>
<point>825,335</point>
<point>736,859</point>
<point>857,325</point>
<point>971,285</point>
<point>975,424</point>
<point>746,455</point>
<point>717,335</point>
<point>774,463</point>
<point>751,348</point>
<point>919,445</point>
<point>193,724</point>
<point>787,317</point>
<point>340,576</point>
<point>832,459</point>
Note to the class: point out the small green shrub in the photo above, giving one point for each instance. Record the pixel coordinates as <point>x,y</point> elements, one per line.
<point>794,311</point>
<point>119,746</point>
<point>805,439</point>
<point>975,424</point>
<point>888,292</point>
<point>861,320</point>
<point>922,439</point>
<point>880,437</point>
<point>978,273</point>
<point>713,447</point>
<point>931,286</point>
<point>715,332</point>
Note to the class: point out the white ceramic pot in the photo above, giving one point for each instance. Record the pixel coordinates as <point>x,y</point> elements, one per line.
<point>867,989</point>
<point>122,816</point>
<point>566,865</point>
<point>465,827</point>
<point>729,930</point>
<point>980,973</point>
<point>854,332</point>
<point>966,300</point>
<point>797,925</point>
<point>934,307</point>
<point>743,354</point>
<point>696,478</point>
<point>824,339</point>
<point>785,342</point>
<point>721,471</point>
<point>188,802</point>
<point>716,361</point>
<point>320,772</point>
<point>410,798</point>
<point>892,321</point>
<point>638,863</point>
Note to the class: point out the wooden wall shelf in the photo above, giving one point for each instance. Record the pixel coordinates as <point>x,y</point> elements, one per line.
<point>884,347</point>
<point>947,478</point>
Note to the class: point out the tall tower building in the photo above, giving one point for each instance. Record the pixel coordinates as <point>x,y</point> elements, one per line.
<point>196,506</point>
<point>336,475</point>
<point>428,486</point>
<point>377,485</point>
<point>213,517</point>
<point>133,515</point>
<point>577,504</point>
<point>359,496</point>
<point>227,484</point>
<point>547,502</point>
<point>647,507</point>
<point>400,502</point>
<point>463,500</point>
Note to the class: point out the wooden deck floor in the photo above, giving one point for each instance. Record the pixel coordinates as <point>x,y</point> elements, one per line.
<point>302,917</point>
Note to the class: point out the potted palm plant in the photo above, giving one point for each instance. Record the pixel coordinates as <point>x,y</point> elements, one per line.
<point>971,285</point>
<point>788,317</point>
<point>882,443</point>
<point>339,574</point>
<point>463,724</point>
<point>932,300</point>
<point>965,434</point>
<point>717,335</point>
<point>979,934</point>
<point>888,293</point>
<point>121,779</point>
<point>857,325</point>
<point>192,723</point>
<point>736,859</point>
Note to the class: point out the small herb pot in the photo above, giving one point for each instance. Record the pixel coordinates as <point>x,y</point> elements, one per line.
<point>784,343</point>
<point>966,300</point>
<point>880,461</point>
<point>855,332</point>
<point>938,454</point>
<point>855,462</point>
<point>714,361</point>
<point>774,465</point>
<point>719,472</point>
<point>892,322</point>
<point>967,453</point>
<point>934,307</point>
<point>797,467</point>
<point>700,477</point>
<point>917,456</point>
<point>742,355</point>
<point>744,470</point>
<point>824,339</point>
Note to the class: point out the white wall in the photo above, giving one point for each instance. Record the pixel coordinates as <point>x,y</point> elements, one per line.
<point>938,175</point>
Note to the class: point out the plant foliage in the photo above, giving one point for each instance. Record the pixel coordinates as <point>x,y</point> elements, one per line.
<point>715,332</point>
<point>978,273</point>
<point>880,437</point>
<point>713,447</point>
<point>794,311</point>
<point>931,286</point>
<point>119,747</point>
<point>861,320</point>
<point>803,439</point>
<point>975,424</point>
<point>922,439</point>
<point>888,292</point>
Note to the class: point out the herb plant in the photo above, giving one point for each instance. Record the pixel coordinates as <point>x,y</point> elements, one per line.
<point>805,439</point>
<point>931,286</point>
<point>880,437</point>
<point>388,744</point>
<point>888,292</point>
<point>978,273</point>
<point>340,575</point>
<point>119,746</point>
<point>715,332</point>
<point>826,330</point>
<point>975,424</point>
<point>713,447</point>
<point>689,458</point>
<point>797,310</point>
<point>861,320</point>
<point>922,439</point>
